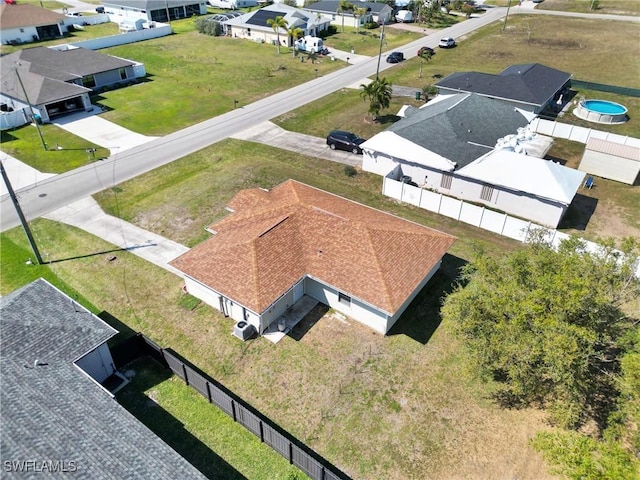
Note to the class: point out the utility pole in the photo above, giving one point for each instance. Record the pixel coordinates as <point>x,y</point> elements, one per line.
<point>23,220</point>
<point>26,97</point>
<point>506,16</point>
<point>380,52</point>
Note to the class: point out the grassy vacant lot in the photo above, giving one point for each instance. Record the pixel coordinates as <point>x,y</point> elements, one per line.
<point>193,77</point>
<point>614,7</point>
<point>367,42</point>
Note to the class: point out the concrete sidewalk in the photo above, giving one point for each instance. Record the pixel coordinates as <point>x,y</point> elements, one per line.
<point>20,174</point>
<point>87,215</point>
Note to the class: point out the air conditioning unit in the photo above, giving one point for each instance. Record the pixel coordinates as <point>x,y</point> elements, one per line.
<point>243,330</point>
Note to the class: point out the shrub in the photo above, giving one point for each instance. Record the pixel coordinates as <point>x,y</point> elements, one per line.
<point>350,171</point>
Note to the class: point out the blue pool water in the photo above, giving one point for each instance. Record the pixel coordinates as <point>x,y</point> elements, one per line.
<point>603,106</point>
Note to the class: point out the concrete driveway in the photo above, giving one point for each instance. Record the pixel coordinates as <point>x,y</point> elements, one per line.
<point>271,134</point>
<point>95,129</point>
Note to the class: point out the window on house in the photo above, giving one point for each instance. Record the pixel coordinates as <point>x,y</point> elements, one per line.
<point>89,81</point>
<point>344,299</point>
<point>486,193</point>
<point>446,180</point>
<point>123,73</point>
<point>248,32</point>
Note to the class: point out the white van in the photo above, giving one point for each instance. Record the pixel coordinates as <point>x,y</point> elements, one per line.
<point>404,16</point>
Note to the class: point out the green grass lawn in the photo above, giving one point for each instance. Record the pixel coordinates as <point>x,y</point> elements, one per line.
<point>193,77</point>
<point>200,432</point>
<point>617,7</point>
<point>65,151</point>
<point>367,42</point>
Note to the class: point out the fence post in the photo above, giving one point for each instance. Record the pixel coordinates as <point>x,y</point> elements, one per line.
<point>208,392</point>
<point>184,372</point>
<point>233,410</point>
<point>261,432</point>
<point>290,453</point>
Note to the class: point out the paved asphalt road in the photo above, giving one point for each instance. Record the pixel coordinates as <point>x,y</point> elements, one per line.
<point>66,188</point>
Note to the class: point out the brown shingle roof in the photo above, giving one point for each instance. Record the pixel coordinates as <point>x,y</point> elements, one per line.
<point>275,237</point>
<point>24,15</point>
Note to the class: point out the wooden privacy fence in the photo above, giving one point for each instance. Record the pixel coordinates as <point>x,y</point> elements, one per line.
<point>267,431</point>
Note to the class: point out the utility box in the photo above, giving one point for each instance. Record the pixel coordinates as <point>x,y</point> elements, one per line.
<point>243,330</point>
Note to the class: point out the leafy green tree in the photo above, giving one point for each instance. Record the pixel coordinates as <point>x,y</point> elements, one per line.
<point>295,33</point>
<point>358,12</point>
<point>277,24</point>
<point>343,7</point>
<point>548,324</point>
<point>378,92</point>
<point>429,91</point>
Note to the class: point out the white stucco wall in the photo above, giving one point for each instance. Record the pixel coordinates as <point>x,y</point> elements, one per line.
<point>358,310</point>
<point>98,364</point>
<point>212,298</point>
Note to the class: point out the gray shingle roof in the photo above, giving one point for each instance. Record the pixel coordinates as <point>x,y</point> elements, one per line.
<point>46,73</point>
<point>54,412</point>
<point>24,15</point>
<point>461,128</point>
<point>530,83</point>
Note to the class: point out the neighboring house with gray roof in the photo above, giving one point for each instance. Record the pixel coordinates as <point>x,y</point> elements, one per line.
<point>531,87</point>
<point>56,417</point>
<point>153,10</point>
<point>254,25</point>
<point>375,12</point>
<point>455,145</point>
<point>23,23</point>
<point>59,80</point>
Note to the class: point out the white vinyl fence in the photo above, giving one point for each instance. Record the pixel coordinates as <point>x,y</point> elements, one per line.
<point>579,134</point>
<point>476,215</point>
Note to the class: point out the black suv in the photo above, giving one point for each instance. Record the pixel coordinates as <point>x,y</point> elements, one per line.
<point>395,57</point>
<point>345,141</point>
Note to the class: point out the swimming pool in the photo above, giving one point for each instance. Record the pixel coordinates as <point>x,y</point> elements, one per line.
<point>601,111</point>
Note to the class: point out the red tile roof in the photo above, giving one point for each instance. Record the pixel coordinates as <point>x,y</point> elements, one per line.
<point>276,237</point>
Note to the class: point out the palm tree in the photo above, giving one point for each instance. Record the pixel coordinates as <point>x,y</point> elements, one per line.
<point>295,33</point>
<point>358,13</point>
<point>344,6</point>
<point>378,92</point>
<point>278,23</point>
<point>425,54</point>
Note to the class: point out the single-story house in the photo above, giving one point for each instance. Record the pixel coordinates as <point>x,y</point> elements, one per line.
<point>154,10</point>
<point>296,240</point>
<point>378,12</point>
<point>57,418</point>
<point>529,87</point>
<point>254,26</point>
<point>24,23</point>
<point>611,160</point>
<point>59,80</point>
<point>451,147</point>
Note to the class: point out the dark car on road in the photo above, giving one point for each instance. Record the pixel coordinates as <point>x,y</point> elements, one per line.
<point>395,57</point>
<point>337,139</point>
